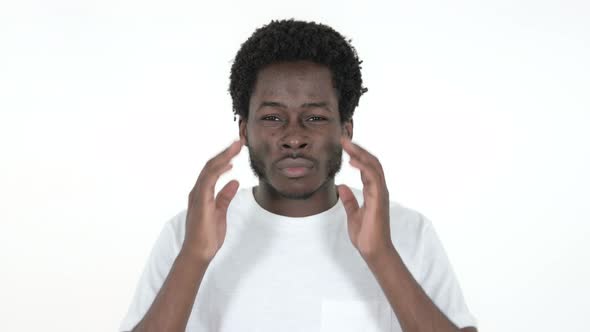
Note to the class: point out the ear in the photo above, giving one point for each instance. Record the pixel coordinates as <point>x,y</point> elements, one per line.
<point>243,130</point>
<point>347,127</point>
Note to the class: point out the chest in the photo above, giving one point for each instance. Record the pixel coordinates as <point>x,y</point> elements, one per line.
<point>295,283</point>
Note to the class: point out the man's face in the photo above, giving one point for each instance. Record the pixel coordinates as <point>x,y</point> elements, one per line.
<point>293,129</point>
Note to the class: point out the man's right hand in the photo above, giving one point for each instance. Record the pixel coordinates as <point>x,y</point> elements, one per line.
<point>206,214</point>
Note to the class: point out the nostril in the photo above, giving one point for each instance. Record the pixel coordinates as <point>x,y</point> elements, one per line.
<point>294,146</point>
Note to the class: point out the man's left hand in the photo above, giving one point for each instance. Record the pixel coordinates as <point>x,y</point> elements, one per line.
<point>368,225</point>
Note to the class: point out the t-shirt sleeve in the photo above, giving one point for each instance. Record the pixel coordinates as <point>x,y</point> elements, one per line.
<point>439,281</point>
<point>155,271</point>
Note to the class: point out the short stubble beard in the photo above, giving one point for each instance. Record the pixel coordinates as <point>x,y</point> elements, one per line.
<point>333,164</point>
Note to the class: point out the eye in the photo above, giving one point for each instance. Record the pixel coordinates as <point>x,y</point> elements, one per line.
<point>271,118</point>
<point>316,118</point>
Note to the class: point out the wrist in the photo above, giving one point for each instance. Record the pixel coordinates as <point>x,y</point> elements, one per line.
<point>195,256</point>
<point>379,256</point>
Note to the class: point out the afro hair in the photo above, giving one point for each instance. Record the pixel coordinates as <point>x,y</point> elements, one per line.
<point>291,40</point>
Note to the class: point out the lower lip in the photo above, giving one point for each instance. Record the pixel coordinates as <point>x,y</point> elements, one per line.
<point>295,172</point>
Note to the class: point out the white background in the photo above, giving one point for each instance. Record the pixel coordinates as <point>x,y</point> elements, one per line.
<point>479,112</point>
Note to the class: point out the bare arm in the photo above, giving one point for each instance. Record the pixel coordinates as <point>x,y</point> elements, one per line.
<point>369,231</point>
<point>204,235</point>
<point>414,309</point>
<point>172,306</point>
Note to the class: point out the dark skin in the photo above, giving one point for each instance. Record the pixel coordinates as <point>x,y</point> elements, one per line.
<point>294,112</point>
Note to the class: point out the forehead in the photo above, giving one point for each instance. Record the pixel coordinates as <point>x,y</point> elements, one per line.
<point>300,80</point>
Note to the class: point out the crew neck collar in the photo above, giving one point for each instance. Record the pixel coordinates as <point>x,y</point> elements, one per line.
<point>324,218</point>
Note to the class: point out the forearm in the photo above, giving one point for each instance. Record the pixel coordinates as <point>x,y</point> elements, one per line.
<point>173,304</point>
<point>412,306</point>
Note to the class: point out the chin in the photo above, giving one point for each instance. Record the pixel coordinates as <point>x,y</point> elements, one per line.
<point>297,194</point>
<point>296,188</point>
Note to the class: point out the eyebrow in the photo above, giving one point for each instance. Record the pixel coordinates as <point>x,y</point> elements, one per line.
<point>322,104</point>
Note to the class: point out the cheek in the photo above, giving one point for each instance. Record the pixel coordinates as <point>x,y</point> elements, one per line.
<point>332,145</point>
<point>261,146</point>
<point>260,140</point>
<point>332,151</point>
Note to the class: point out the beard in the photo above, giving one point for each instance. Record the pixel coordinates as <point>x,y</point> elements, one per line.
<point>332,164</point>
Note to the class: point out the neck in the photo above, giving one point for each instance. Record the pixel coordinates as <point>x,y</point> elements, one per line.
<point>320,201</point>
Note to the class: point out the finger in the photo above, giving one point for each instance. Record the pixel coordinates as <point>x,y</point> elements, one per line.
<point>226,155</point>
<point>374,186</point>
<point>350,203</point>
<point>215,167</point>
<point>364,157</point>
<point>352,149</point>
<point>356,151</point>
<point>371,180</point>
<point>208,182</point>
<point>225,195</point>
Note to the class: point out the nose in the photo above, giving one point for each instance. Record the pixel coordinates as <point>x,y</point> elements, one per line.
<point>294,143</point>
<point>294,139</point>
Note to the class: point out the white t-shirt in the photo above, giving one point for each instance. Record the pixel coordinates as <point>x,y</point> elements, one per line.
<point>277,273</point>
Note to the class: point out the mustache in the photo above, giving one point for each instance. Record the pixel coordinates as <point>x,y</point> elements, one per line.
<point>302,155</point>
<point>294,155</point>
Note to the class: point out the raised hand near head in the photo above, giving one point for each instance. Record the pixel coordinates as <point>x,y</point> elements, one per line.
<point>206,222</point>
<point>368,225</point>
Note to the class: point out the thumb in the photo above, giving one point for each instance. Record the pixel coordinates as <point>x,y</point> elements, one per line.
<point>350,203</point>
<point>225,195</point>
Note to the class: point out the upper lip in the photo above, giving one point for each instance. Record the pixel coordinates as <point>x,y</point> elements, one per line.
<point>292,162</point>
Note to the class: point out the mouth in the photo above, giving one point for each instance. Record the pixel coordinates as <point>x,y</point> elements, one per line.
<point>295,172</point>
<point>295,167</point>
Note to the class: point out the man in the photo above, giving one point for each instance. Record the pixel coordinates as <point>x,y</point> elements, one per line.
<point>297,252</point>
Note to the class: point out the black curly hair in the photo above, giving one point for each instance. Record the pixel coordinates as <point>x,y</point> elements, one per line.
<point>291,40</point>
